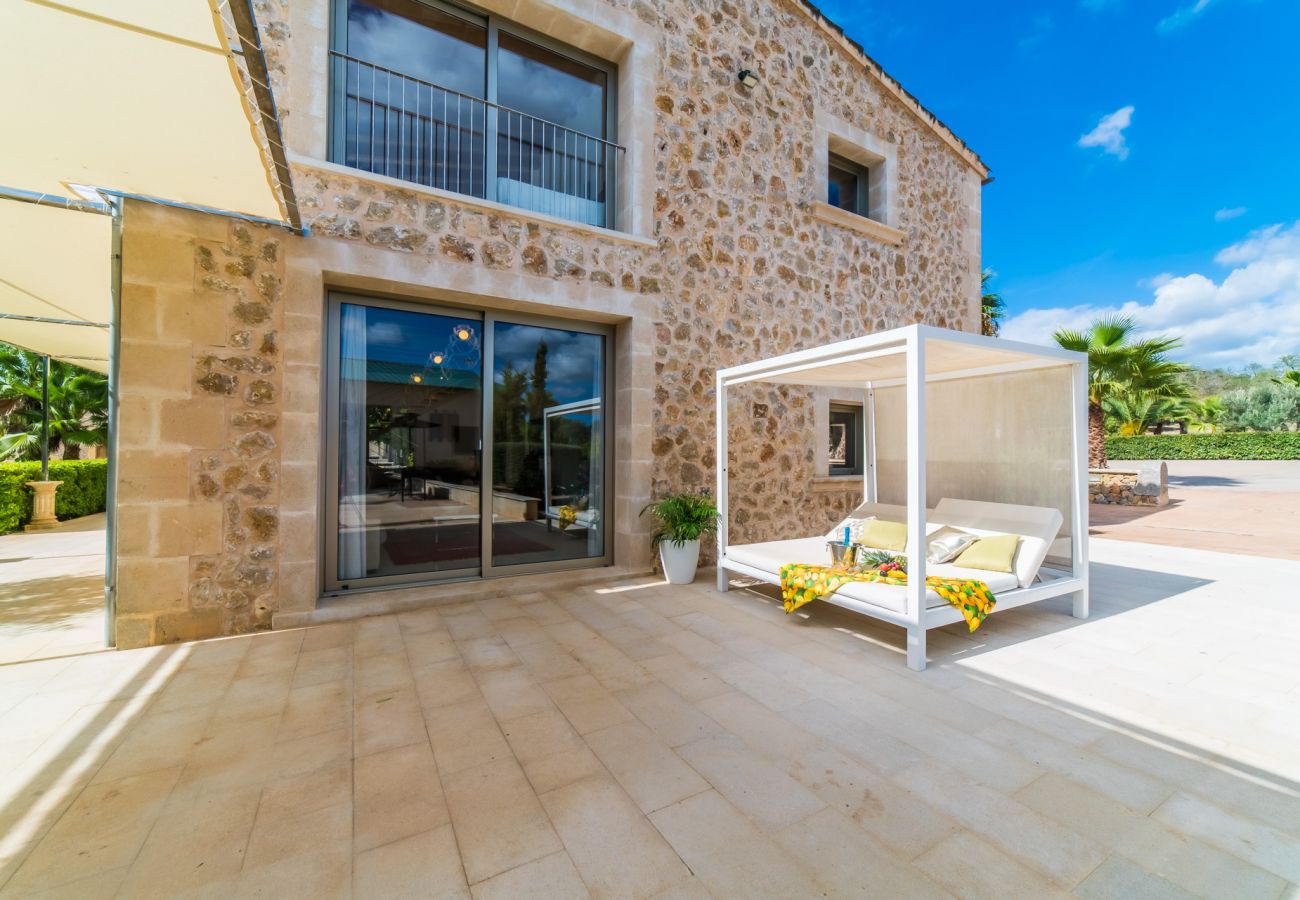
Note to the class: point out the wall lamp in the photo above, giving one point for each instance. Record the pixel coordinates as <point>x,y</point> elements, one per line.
<point>747,78</point>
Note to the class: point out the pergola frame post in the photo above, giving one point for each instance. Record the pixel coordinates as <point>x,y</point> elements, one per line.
<point>916,501</point>
<point>720,424</point>
<point>1079,474</point>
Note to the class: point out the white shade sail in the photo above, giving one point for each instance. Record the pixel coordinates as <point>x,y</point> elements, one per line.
<point>55,264</point>
<point>127,97</point>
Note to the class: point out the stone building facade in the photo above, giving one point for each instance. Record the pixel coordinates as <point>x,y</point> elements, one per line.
<point>725,252</point>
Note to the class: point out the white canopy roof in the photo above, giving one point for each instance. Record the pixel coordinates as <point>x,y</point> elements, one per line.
<point>127,97</point>
<point>881,359</point>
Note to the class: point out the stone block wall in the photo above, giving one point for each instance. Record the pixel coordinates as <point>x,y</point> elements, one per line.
<point>200,426</point>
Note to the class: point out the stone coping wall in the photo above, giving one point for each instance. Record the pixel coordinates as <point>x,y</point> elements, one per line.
<point>1146,486</point>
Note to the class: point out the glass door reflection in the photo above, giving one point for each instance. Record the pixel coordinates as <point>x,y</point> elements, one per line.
<point>548,430</point>
<point>409,429</point>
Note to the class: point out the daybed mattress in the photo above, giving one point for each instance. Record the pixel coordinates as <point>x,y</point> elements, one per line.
<point>772,555</point>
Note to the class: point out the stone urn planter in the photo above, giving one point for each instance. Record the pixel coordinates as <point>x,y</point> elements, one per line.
<point>683,520</point>
<point>43,493</point>
<point>679,560</point>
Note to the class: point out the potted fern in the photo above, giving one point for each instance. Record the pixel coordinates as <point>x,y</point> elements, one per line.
<point>683,519</point>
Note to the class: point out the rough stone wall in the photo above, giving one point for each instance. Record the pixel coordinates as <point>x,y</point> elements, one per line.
<point>1148,486</point>
<point>201,383</point>
<point>741,269</point>
<point>221,333</point>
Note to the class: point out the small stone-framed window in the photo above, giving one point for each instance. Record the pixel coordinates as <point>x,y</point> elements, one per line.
<point>845,450</point>
<point>848,185</point>
<point>857,180</point>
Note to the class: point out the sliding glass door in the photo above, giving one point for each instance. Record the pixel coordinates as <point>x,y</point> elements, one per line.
<point>419,490</point>
<point>548,431</point>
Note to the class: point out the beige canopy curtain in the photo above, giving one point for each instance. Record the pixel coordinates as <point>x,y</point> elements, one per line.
<point>160,100</point>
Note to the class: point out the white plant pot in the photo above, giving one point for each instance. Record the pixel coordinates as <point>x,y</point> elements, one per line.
<point>680,561</point>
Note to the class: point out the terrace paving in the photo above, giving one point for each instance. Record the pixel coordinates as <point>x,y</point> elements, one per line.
<point>636,740</point>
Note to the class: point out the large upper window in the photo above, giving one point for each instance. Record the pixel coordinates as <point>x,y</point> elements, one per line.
<point>431,93</point>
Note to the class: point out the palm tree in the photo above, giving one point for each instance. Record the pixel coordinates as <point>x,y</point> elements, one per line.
<point>78,407</point>
<point>992,307</point>
<point>1208,412</point>
<point>1289,379</point>
<point>1119,364</point>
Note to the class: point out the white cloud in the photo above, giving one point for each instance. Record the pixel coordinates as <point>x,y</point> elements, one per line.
<point>1224,215</point>
<point>1252,315</point>
<point>1109,133</point>
<point>1183,16</point>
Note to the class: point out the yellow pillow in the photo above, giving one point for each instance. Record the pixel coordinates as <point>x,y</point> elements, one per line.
<point>993,553</point>
<point>881,534</point>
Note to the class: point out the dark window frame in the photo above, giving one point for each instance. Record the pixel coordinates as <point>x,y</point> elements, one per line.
<point>855,438</point>
<point>495,25</point>
<point>861,199</point>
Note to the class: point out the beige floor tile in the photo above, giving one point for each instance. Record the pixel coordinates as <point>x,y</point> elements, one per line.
<point>692,888</point>
<point>194,847</point>
<point>321,873</point>
<point>422,865</point>
<point>548,661</point>
<point>429,647</point>
<point>1117,877</point>
<point>464,735</point>
<point>551,772</point>
<point>850,864</point>
<point>895,817</point>
<point>311,709</point>
<point>692,682</point>
<point>754,786</point>
<point>616,849</point>
<point>100,886</point>
<point>512,693</point>
<point>322,665</point>
<point>1061,854</point>
<point>728,852</point>
<point>552,877</point>
<point>384,673</point>
<point>651,773</point>
<point>103,829</point>
<point>298,794</point>
<point>445,683</point>
<point>498,820</point>
<point>396,794</point>
<point>586,704</point>
<point>1265,847</point>
<point>668,715</point>
<point>1190,863</point>
<point>486,654</point>
<point>969,867</point>
<point>276,838</point>
<point>386,720</point>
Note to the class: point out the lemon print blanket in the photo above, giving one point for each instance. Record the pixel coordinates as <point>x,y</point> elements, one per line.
<point>802,583</point>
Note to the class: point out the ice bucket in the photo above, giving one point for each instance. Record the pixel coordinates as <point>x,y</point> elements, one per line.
<point>842,554</point>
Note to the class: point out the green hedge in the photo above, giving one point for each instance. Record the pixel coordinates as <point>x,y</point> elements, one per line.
<point>85,484</point>
<point>1234,445</point>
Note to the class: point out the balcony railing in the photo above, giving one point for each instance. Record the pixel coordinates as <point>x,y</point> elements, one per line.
<point>395,125</point>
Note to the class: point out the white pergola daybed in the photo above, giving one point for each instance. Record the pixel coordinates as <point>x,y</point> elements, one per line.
<point>985,421</point>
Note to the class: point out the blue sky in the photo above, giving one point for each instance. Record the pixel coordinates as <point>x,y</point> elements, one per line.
<point>1146,156</point>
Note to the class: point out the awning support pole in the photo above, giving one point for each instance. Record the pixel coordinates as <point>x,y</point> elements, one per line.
<point>869,487</point>
<point>916,502</point>
<point>45,418</point>
<point>114,388</point>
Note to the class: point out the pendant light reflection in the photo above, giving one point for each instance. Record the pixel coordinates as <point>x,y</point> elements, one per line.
<point>462,353</point>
